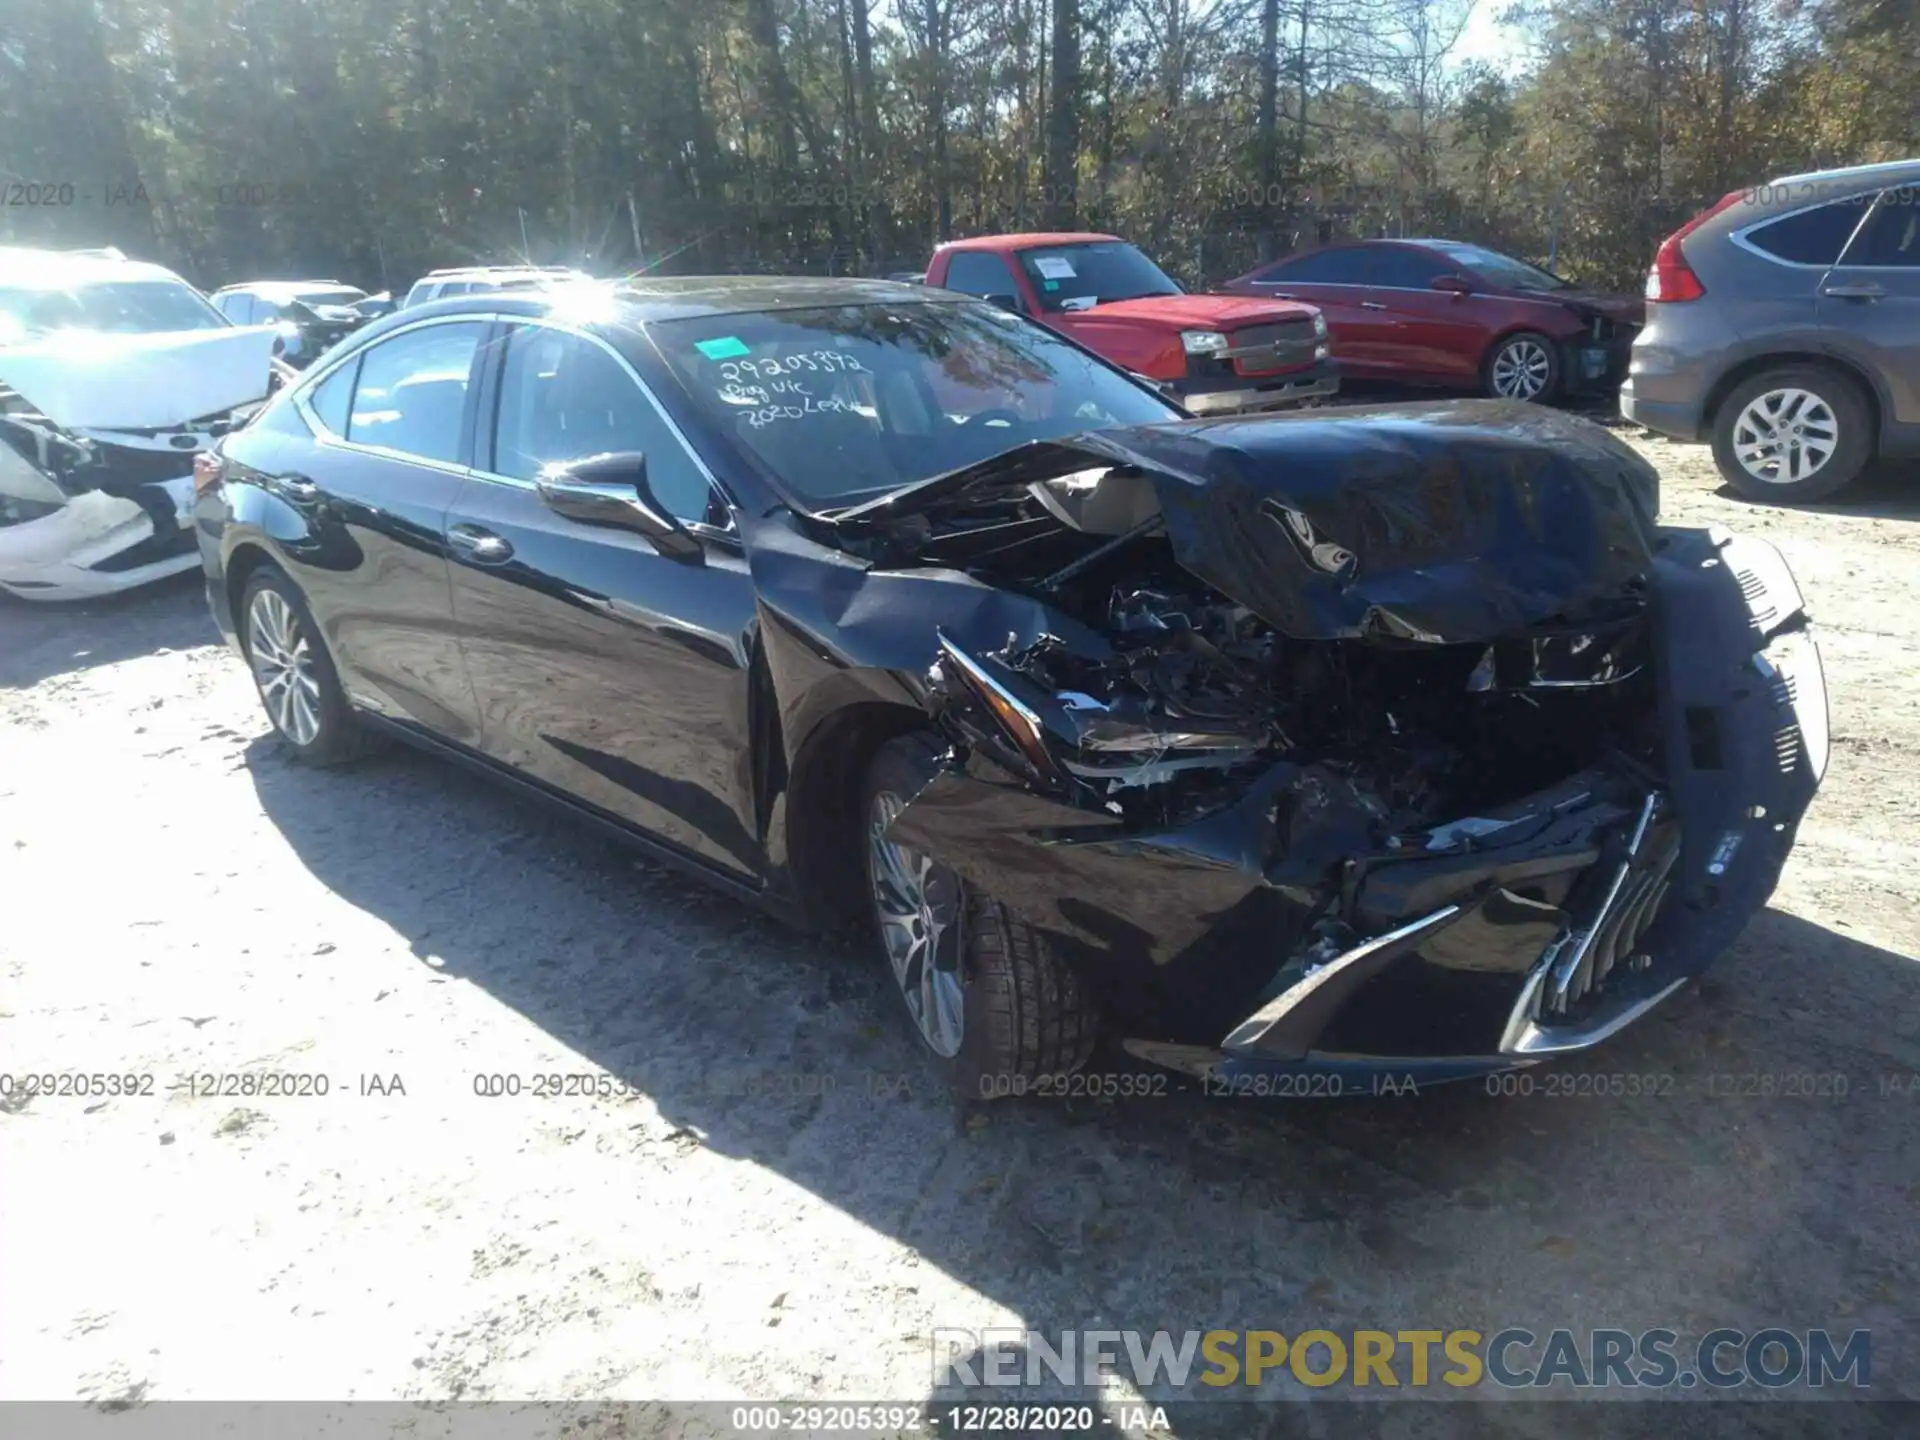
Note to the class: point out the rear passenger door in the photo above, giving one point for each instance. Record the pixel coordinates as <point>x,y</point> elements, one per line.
<point>392,424</point>
<point>603,668</point>
<point>1435,335</point>
<point>1870,301</point>
<point>1800,247</point>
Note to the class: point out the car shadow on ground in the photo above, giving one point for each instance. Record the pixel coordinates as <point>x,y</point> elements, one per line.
<point>1886,490</point>
<point>1741,1157</point>
<point>37,639</point>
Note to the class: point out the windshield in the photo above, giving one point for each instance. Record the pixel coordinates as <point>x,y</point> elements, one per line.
<point>1072,277</point>
<point>114,306</point>
<point>1501,269</point>
<point>845,403</point>
<point>122,307</point>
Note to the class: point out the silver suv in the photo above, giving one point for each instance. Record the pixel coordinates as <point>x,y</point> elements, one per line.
<point>474,279</point>
<point>1783,325</point>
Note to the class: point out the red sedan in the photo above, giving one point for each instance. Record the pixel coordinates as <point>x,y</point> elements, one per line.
<point>1441,312</point>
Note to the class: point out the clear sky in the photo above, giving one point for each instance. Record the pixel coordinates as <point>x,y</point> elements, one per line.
<point>1486,39</point>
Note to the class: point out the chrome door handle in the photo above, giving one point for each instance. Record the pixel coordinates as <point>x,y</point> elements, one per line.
<point>299,489</point>
<point>482,547</point>
<point>1371,305</point>
<point>1866,290</point>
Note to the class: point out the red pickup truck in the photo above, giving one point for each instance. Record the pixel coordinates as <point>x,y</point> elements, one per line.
<point>1215,354</point>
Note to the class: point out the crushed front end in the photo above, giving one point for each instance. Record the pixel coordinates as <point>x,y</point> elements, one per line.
<point>1397,739</point>
<point>87,513</point>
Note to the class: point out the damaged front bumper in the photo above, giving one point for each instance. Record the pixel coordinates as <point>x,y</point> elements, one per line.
<point>90,513</point>
<point>1247,395</point>
<point>1283,933</point>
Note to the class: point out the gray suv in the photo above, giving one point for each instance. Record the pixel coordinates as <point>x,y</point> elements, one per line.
<point>1783,325</point>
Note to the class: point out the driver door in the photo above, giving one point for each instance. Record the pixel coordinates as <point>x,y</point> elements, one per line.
<point>602,668</point>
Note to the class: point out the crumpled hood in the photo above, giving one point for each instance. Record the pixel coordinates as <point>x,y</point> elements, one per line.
<point>1450,522</point>
<point>94,381</point>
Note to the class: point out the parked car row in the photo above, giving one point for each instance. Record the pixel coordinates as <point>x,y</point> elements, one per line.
<point>1439,312</point>
<point>1215,354</point>
<point>115,374</point>
<point>1784,327</point>
<point>1238,739</point>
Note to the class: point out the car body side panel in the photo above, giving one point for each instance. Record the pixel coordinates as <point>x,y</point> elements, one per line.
<point>612,672</point>
<point>1365,336</point>
<point>1757,307</point>
<point>1439,335</point>
<point>362,536</point>
<point>1880,334</point>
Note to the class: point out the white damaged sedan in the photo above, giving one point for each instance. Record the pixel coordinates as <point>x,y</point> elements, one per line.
<point>113,376</point>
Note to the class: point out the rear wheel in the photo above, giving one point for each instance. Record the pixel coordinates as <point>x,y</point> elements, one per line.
<point>1524,367</point>
<point>1796,433</point>
<point>984,991</point>
<point>299,688</point>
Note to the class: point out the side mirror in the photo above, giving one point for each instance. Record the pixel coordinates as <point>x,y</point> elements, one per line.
<point>302,313</point>
<point>1451,284</point>
<point>1009,303</point>
<point>612,490</point>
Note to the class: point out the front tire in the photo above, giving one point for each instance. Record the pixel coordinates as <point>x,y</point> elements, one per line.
<point>298,686</point>
<point>986,994</point>
<point>1792,434</point>
<point>1524,367</point>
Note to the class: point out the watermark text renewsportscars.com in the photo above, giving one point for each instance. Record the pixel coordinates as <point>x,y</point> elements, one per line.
<point>1512,1358</point>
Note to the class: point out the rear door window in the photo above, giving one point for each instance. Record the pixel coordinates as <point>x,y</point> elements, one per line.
<point>1321,267</point>
<point>332,399</point>
<point>1811,237</point>
<point>1891,237</point>
<point>1402,269</point>
<point>412,392</point>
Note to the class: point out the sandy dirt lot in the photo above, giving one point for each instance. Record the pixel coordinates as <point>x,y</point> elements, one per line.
<point>762,1194</point>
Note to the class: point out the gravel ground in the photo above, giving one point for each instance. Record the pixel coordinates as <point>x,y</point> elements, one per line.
<point>772,1199</point>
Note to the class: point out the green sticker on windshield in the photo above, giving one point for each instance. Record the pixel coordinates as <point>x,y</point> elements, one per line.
<point>727,347</point>
<point>1049,284</point>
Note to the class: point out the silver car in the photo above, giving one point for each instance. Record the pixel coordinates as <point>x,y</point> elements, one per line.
<point>1783,325</point>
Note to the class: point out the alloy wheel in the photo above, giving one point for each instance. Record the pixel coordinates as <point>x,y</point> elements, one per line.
<point>1785,436</point>
<point>918,906</point>
<point>282,663</point>
<point>1521,370</point>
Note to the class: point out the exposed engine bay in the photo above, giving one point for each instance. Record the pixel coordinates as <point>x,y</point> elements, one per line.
<point>1395,698</point>
<point>1198,692</point>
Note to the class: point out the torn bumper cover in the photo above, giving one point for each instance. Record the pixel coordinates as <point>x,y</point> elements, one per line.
<point>1441,773</point>
<point>96,488</point>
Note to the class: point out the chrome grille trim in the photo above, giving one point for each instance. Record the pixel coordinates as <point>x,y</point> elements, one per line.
<point>1582,957</point>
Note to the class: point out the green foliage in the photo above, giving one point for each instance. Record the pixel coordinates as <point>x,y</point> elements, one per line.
<point>369,141</point>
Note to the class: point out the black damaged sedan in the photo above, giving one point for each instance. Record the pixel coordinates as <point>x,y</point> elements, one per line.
<point>1380,740</point>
